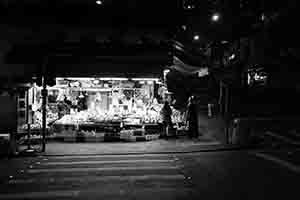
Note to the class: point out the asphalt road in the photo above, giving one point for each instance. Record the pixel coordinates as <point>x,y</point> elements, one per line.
<point>203,175</point>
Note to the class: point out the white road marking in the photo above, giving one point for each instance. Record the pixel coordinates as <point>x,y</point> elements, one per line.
<point>202,143</point>
<point>100,192</point>
<point>173,177</point>
<point>283,163</point>
<point>286,139</point>
<point>108,156</point>
<point>106,162</point>
<point>34,171</point>
<point>40,195</point>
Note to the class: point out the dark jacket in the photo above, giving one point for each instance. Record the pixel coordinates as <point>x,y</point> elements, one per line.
<point>166,113</point>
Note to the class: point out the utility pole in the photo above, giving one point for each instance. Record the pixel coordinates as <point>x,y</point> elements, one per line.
<point>44,103</point>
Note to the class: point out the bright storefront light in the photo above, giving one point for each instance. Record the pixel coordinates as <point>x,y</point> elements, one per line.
<point>145,79</point>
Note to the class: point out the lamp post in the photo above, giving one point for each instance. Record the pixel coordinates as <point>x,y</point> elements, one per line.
<point>44,104</point>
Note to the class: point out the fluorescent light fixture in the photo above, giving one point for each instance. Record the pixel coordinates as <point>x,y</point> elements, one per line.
<point>145,79</point>
<point>74,78</point>
<point>93,79</point>
<point>113,79</point>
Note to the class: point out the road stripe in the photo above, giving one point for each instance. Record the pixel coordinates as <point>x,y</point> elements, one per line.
<point>106,162</point>
<point>41,195</point>
<point>283,163</point>
<point>112,193</point>
<point>175,177</point>
<point>34,171</point>
<point>280,137</point>
<point>108,156</point>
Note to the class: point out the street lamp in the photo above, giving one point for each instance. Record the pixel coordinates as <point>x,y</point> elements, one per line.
<point>196,37</point>
<point>98,2</point>
<point>215,17</point>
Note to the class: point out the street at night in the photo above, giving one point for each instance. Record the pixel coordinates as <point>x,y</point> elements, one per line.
<point>149,99</point>
<point>243,174</point>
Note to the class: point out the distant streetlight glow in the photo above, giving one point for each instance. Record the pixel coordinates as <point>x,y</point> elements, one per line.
<point>232,57</point>
<point>99,2</point>
<point>215,17</point>
<point>196,37</point>
<point>263,17</point>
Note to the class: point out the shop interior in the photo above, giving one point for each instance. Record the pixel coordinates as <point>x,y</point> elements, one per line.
<point>98,107</point>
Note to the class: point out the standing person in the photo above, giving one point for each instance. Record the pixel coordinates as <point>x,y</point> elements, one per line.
<point>166,113</point>
<point>191,118</point>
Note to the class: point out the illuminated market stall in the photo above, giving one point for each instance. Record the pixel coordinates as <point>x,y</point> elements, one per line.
<point>94,107</point>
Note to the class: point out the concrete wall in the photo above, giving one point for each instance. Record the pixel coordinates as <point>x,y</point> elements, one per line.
<point>211,127</point>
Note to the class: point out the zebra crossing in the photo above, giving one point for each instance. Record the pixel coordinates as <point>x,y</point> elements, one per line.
<point>94,177</point>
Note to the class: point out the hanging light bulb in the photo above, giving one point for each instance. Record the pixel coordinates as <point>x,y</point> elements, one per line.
<point>81,95</point>
<point>96,81</point>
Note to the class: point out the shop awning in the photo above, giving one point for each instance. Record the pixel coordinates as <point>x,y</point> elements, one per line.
<point>106,69</point>
<point>84,60</point>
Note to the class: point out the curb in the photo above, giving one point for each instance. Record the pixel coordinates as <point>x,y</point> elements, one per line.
<point>133,138</point>
<point>137,135</point>
<point>217,149</point>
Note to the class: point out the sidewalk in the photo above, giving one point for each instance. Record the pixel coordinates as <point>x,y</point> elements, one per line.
<point>155,146</point>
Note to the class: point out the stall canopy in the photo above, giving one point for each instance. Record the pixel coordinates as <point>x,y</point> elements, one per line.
<point>98,59</point>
